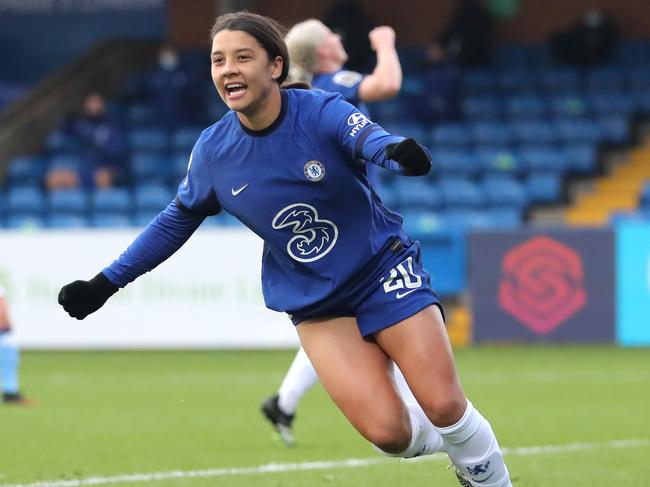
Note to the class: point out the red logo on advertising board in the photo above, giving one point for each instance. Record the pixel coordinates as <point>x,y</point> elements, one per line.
<point>542,284</point>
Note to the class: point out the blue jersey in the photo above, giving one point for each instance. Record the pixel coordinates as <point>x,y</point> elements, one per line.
<point>299,184</point>
<point>344,82</point>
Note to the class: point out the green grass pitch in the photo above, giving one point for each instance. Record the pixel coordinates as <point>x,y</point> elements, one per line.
<point>106,415</point>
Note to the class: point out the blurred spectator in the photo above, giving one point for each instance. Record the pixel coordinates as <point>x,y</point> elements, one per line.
<point>442,86</point>
<point>347,19</point>
<point>469,36</point>
<point>9,358</point>
<point>101,158</point>
<point>589,41</point>
<point>171,90</point>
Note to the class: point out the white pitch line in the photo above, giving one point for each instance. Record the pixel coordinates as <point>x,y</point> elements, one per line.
<point>322,465</point>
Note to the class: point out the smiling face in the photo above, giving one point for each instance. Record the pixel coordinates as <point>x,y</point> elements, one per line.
<point>242,72</point>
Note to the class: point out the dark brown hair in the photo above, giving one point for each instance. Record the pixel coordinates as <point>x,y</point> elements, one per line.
<point>266,31</point>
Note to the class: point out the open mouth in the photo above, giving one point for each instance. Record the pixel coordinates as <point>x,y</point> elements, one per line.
<point>235,90</point>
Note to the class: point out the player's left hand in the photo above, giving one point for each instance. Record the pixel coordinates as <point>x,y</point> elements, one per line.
<point>411,156</point>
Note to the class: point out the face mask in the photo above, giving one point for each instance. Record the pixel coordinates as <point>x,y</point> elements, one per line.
<point>168,61</point>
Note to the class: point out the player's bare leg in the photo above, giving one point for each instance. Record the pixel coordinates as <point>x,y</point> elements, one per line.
<point>420,347</point>
<point>358,376</point>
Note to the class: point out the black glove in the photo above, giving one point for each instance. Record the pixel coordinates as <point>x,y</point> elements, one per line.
<point>411,156</point>
<point>80,298</point>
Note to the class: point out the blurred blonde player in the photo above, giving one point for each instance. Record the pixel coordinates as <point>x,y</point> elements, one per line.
<point>317,57</point>
<point>9,358</point>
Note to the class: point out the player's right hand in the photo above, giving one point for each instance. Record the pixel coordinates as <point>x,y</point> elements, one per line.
<point>80,298</point>
<point>382,37</point>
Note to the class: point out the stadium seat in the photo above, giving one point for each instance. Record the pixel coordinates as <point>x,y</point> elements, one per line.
<point>449,135</point>
<point>25,222</point>
<point>609,103</point>
<point>67,221</point>
<point>567,105</point>
<point>151,168</point>
<point>460,193</point>
<point>491,133</point>
<point>534,132</point>
<point>152,198</point>
<point>497,160</point>
<point>454,161</point>
<point>517,81</point>
<point>525,106</point>
<point>25,170</point>
<point>421,222</point>
<point>185,138</point>
<point>544,159</point>
<point>141,114</point>
<point>110,220</point>
<point>605,78</point>
<point>581,158</point>
<point>67,202</point>
<point>148,139</point>
<point>504,191</point>
<point>614,128</point>
<point>417,194</point>
<point>637,77</point>
<point>59,141</point>
<point>414,130</point>
<point>25,200</point>
<point>481,107</point>
<point>578,130</point>
<point>477,81</point>
<point>111,200</point>
<point>544,187</point>
<point>556,80</point>
<point>641,99</point>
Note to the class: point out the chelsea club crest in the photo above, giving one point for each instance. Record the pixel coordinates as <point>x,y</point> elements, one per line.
<point>314,171</point>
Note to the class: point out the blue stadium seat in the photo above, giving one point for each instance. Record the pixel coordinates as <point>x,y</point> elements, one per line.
<point>414,130</point>
<point>633,53</point>
<point>25,170</point>
<point>608,103</point>
<point>110,220</point>
<point>59,141</point>
<point>67,221</point>
<point>179,162</point>
<point>534,132</point>
<point>460,193</point>
<point>525,106</point>
<point>614,128</point>
<point>216,108</point>
<point>544,187</point>
<point>560,79</point>
<point>150,168</point>
<point>497,160</point>
<point>421,222</point>
<point>543,158</point>
<point>479,81</point>
<point>641,101</point>
<point>605,78</point>
<point>111,200</point>
<point>388,194</point>
<point>185,138</point>
<point>504,191</point>
<point>453,161</point>
<point>481,107</point>
<point>68,202</point>
<point>638,77</point>
<point>578,130</point>
<point>517,81</point>
<point>567,105</point>
<point>413,85</point>
<point>514,56</point>
<point>450,134</point>
<point>142,218</point>
<point>25,200</point>
<point>417,194</point>
<point>26,222</point>
<point>141,114</point>
<point>581,157</point>
<point>491,133</point>
<point>148,139</point>
<point>152,198</point>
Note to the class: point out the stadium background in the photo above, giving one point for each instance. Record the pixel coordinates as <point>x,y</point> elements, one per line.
<point>535,225</point>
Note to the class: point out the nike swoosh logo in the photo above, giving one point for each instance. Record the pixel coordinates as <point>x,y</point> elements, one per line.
<point>235,192</point>
<point>401,295</point>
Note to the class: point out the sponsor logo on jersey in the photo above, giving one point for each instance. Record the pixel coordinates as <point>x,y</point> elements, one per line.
<point>313,237</point>
<point>314,170</point>
<point>347,78</point>
<point>357,121</point>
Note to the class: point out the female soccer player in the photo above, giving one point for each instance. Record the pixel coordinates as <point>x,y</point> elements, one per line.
<point>317,56</point>
<point>289,164</point>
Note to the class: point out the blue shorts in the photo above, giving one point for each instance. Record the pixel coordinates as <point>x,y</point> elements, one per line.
<point>397,291</point>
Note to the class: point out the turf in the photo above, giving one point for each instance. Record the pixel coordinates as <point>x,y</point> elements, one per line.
<point>114,413</point>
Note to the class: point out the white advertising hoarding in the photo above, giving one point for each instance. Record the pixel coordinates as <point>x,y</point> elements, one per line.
<point>207,295</point>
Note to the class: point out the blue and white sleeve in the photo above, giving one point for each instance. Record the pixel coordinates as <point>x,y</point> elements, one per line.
<point>359,136</point>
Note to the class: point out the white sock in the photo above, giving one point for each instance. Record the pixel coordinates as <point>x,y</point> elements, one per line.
<point>402,386</point>
<point>474,451</point>
<point>299,379</point>
<point>425,439</point>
